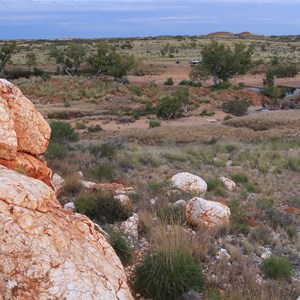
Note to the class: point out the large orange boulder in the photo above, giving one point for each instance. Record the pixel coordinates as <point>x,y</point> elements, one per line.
<point>31,130</point>
<point>47,252</point>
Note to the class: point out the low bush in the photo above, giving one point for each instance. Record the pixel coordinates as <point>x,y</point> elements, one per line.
<point>169,81</point>
<point>168,107</point>
<point>217,187</point>
<point>279,217</point>
<point>154,123</point>
<point>103,172</point>
<point>101,207</point>
<point>56,150</point>
<point>121,246</point>
<point>277,267</point>
<point>240,178</point>
<point>236,107</point>
<point>104,150</point>
<point>168,274</point>
<point>62,132</point>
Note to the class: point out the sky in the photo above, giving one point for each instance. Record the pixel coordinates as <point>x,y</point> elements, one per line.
<point>55,19</point>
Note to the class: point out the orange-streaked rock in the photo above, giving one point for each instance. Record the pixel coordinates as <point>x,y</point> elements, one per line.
<point>208,213</point>
<point>32,131</point>
<point>29,165</point>
<point>8,137</point>
<point>48,252</point>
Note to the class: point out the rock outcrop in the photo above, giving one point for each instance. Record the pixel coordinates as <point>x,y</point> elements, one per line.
<point>208,213</point>
<point>47,252</point>
<point>31,130</point>
<point>189,183</point>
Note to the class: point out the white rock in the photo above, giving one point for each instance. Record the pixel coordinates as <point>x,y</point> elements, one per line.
<point>152,201</point>
<point>130,226</point>
<point>230,184</point>
<point>180,202</point>
<point>70,206</point>
<point>223,254</point>
<point>124,199</point>
<point>89,185</point>
<point>209,213</point>
<point>189,183</point>
<point>58,182</point>
<point>80,175</point>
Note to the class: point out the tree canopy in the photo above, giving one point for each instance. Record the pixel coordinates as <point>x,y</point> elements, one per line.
<point>6,51</point>
<point>223,63</point>
<point>69,58</point>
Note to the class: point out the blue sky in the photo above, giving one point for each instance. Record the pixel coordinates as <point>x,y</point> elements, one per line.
<point>50,19</point>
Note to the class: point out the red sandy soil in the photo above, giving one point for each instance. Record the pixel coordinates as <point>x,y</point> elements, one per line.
<point>181,72</point>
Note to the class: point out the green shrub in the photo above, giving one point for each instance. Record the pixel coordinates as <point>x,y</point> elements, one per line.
<point>265,203</point>
<point>80,125</point>
<point>252,187</point>
<point>169,81</point>
<point>217,187</point>
<point>291,232</point>
<point>236,107</point>
<point>261,235</point>
<point>72,186</point>
<point>62,132</point>
<point>104,171</point>
<point>167,274</point>
<point>104,150</point>
<point>96,128</point>
<point>121,246</point>
<point>168,108</point>
<point>273,92</point>
<point>223,85</point>
<point>154,123</point>
<point>227,117</point>
<point>277,267</point>
<point>279,217</point>
<point>56,150</point>
<point>101,207</point>
<point>240,178</point>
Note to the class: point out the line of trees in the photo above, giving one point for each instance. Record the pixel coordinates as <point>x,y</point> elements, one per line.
<point>69,59</point>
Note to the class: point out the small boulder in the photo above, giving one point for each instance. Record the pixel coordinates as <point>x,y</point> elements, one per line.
<point>130,227</point>
<point>58,182</point>
<point>229,184</point>
<point>124,199</point>
<point>180,203</point>
<point>208,213</point>
<point>70,206</point>
<point>189,183</point>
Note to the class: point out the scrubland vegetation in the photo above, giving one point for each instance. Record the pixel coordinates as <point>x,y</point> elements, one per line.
<point>257,255</point>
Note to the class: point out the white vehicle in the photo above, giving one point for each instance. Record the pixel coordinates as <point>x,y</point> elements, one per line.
<point>195,62</point>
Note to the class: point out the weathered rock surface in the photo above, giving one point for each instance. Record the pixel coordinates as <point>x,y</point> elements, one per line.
<point>189,183</point>
<point>58,182</point>
<point>229,184</point>
<point>208,213</point>
<point>29,165</point>
<point>50,253</point>
<point>130,226</point>
<point>30,128</point>
<point>8,137</point>
<point>46,252</point>
<point>115,188</point>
